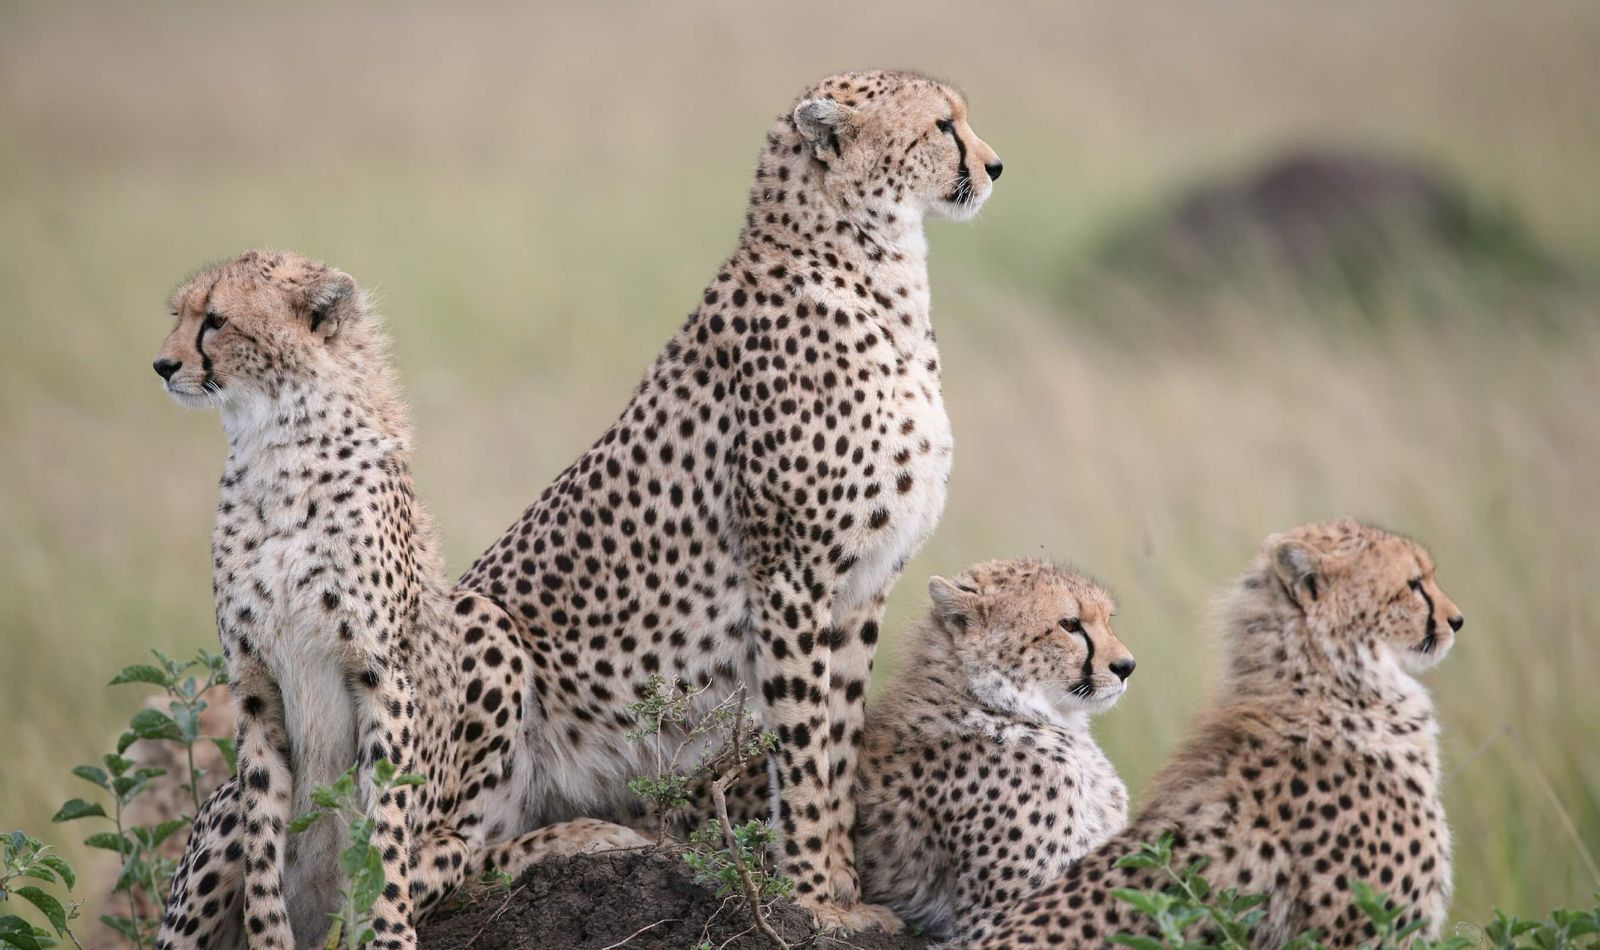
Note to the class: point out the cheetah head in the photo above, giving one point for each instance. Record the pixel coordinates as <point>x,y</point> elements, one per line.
<point>246,328</point>
<point>895,145</point>
<point>1363,589</point>
<point>1034,639</point>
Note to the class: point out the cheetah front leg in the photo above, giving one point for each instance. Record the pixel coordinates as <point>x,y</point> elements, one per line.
<point>267,787</point>
<point>384,722</point>
<point>203,908</point>
<point>852,643</point>
<point>795,670</point>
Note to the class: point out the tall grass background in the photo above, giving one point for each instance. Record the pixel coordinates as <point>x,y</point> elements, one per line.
<point>538,193</point>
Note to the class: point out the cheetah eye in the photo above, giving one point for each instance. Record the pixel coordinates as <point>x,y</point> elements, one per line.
<point>1072,625</point>
<point>947,127</point>
<point>1416,584</point>
<point>214,320</point>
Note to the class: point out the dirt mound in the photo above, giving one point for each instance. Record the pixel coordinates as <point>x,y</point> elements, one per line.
<point>1322,215</point>
<point>595,902</point>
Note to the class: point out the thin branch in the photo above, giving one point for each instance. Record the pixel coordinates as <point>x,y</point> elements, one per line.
<point>669,920</point>
<point>495,916</point>
<point>752,896</point>
<point>719,798</point>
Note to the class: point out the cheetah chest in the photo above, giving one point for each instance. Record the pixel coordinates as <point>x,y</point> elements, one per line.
<point>915,451</point>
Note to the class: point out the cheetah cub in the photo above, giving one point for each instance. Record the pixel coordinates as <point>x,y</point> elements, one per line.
<point>343,640</point>
<point>1317,765</point>
<point>979,779</point>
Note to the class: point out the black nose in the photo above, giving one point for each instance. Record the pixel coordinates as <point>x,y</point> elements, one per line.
<point>165,367</point>
<point>1457,622</point>
<point>994,169</point>
<point>1123,668</point>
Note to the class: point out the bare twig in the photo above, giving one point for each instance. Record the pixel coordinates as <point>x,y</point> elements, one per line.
<point>495,916</point>
<point>719,797</point>
<point>625,940</point>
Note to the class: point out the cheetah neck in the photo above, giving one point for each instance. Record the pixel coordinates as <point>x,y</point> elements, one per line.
<point>1272,658</point>
<point>792,207</point>
<point>361,411</point>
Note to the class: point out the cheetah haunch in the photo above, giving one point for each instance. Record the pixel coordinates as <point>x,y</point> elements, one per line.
<point>784,456</point>
<point>1317,767</point>
<point>343,642</point>
<point>979,779</point>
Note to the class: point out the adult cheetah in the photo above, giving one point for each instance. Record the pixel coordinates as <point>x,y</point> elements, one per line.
<point>979,780</point>
<point>784,456</point>
<point>343,641</point>
<point>1316,768</point>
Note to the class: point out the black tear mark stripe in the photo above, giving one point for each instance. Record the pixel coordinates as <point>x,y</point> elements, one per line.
<point>1430,634</point>
<point>963,176</point>
<point>1088,661</point>
<point>200,336</point>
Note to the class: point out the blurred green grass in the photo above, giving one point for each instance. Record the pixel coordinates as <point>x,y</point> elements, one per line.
<point>539,194</point>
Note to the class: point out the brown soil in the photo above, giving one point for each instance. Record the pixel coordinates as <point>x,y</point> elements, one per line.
<point>637,901</point>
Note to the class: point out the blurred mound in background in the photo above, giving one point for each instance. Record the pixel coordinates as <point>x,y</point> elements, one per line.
<point>1335,220</point>
<point>1167,336</point>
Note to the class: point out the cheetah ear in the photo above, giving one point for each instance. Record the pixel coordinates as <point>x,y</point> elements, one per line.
<point>952,606</point>
<point>824,123</point>
<point>330,299</point>
<point>1297,567</point>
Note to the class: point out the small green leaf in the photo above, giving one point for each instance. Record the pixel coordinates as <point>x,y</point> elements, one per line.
<point>155,724</point>
<point>59,865</point>
<point>91,774</point>
<point>48,906</point>
<point>304,821</point>
<point>411,778</point>
<point>109,841</point>
<point>1149,903</point>
<point>1137,942</point>
<point>140,673</point>
<point>16,932</point>
<point>166,829</point>
<point>78,808</point>
<point>230,753</point>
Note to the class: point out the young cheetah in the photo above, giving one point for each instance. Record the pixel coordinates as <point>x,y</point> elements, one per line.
<point>979,780</point>
<point>740,524</point>
<point>343,641</point>
<point>1316,768</point>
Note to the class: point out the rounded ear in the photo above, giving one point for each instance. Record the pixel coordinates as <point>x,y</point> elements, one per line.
<point>1297,566</point>
<point>952,606</point>
<point>329,300</point>
<point>825,124</point>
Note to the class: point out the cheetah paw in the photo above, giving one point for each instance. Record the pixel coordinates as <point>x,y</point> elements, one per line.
<point>847,919</point>
<point>596,836</point>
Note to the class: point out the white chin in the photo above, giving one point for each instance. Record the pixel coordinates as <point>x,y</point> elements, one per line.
<point>1100,701</point>
<point>1416,661</point>
<point>191,399</point>
<point>962,210</point>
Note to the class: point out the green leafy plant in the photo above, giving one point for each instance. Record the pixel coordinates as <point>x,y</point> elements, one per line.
<point>712,859</point>
<point>186,683</point>
<point>1562,930</point>
<point>145,874</point>
<point>28,859</point>
<point>669,716</point>
<point>670,719</point>
<point>361,861</point>
<point>1189,914</point>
